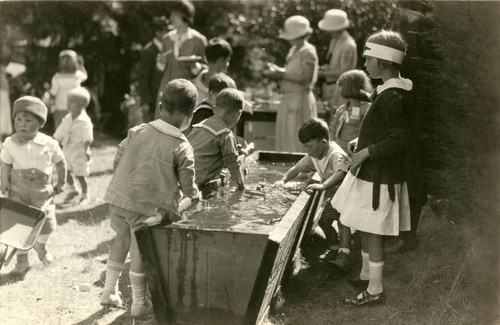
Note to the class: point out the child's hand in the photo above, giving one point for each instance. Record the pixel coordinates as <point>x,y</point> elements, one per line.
<point>315,187</point>
<point>241,186</point>
<point>351,146</point>
<point>5,188</point>
<point>358,158</point>
<point>154,220</point>
<point>279,183</point>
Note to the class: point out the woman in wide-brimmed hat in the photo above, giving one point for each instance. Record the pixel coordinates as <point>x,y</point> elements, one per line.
<point>342,56</point>
<point>182,48</point>
<point>298,77</point>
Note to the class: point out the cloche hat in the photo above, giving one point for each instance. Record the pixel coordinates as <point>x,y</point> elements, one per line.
<point>31,105</point>
<point>295,27</point>
<point>334,20</point>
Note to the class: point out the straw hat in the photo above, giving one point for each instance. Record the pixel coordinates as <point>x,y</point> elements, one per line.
<point>334,20</point>
<point>295,27</point>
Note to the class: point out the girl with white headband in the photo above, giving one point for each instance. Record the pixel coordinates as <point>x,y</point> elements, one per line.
<point>373,197</point>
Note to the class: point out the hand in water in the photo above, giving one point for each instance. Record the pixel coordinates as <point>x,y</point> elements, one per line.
<point>279,184</point>
<point>154,220</point>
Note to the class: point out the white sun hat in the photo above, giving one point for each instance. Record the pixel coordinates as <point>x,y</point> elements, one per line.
<point>295,27</point>
<point>334,20</point>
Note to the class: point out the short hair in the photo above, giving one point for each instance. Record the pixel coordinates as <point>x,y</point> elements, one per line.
<point>355,84</point>
<point>230,99</point>
<point>186,9</point>
<point>391,39</point>
<point>220,81</point>
<point>179,95</point>
<point>82,94</point>
<point>217,48</point>
<point>314,128</point>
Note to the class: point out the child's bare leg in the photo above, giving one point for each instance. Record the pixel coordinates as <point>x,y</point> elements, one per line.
<point>117,255</point>
<point>83,185</point>
<point>342,260</point>
<point>365,268</point>
<point>71,187</point>
<point>140,305</point>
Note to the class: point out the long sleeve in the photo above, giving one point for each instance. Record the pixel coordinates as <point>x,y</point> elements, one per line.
<point>184,157</point>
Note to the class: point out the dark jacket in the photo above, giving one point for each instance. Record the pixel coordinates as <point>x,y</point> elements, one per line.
<point>386,132</point>
<point>149,75</point>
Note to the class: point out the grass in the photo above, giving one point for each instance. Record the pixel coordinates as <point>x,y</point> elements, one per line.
<point>417,284</point>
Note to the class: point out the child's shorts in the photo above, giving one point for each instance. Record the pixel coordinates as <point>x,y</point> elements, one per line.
<point>76,162</point>
<point>330,213</point>
<point>124,221</point>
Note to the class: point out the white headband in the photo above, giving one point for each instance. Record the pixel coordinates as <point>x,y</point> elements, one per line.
<point>383,52</point>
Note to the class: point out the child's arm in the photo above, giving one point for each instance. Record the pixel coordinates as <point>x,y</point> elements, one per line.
<point>184,156</point>
<point>334,180</point>
<point>122,146</point>
<point>5,177</point>
<point>231,159</point>
<point>61,176</point>
<point>291,174</point>
<point>303,165</point>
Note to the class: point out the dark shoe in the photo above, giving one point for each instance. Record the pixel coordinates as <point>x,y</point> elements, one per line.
<point>341,262</point>
<point>402,246</point>
<point>328,255</point>
<point>358,283</point>
<point>366,300</point>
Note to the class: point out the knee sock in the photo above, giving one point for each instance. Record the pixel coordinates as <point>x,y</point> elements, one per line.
<point>376,270</point>
<point>113,270</point>
<point>138,282</point>
<point>365,268</point>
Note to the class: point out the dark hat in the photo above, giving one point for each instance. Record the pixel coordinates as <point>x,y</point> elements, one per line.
<point>160,23</point>
<point>31,105</point>
<point>185,8</point>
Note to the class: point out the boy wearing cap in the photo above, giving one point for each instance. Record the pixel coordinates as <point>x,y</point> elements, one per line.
<point>342,56</point>
<point>71,74</point>
<point>76,134</point>
<point>27,166</point>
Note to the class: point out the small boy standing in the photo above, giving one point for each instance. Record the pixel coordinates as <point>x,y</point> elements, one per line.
<point>218,54</point>
<point>76,134</point>
<point>27,166</point>
<point>214,143</point>
<point>332,164</point>
<point>151,168</point>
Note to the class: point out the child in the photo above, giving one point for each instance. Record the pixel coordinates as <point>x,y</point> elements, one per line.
<point>330,162</point>
<point>75,134</point>
<point>218,54</point>
<point>213,141</point>
<point>71,74</point>
<point>205,109</point>
<point>373,197</point>
<point>27,158</point>
<point>152,166</point>
<point>355,87</point>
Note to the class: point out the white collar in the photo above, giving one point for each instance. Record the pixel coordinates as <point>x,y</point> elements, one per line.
<point>167,128</point>
<point>173,35</point>
<point>158,43</point>
<point>401,83</point>
<point>40,139</point>
<point>83,116</point>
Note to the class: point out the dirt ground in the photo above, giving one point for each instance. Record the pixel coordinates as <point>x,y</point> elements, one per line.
<point>424,286</point>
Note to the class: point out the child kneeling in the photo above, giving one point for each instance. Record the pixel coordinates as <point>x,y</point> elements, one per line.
<point>332,163</point>
<point>153,165</point>
<point>27,167</point>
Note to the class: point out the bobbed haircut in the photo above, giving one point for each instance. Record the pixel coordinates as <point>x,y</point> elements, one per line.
<point>355,84</point>
<point>220,81</point>
<point>81,94</point>
<point>230,99</point>
<point>217,48</point>
<point>313,129</point>
<point>179,95</point>
<point>391,39</point>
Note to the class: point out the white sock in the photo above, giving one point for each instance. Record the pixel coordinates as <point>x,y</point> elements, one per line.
<point>365,269</point>
<point>113,270</point>
<point>138,282</point>
<point>43,239</point>
<point>345,250</point>
<point>376,271</point>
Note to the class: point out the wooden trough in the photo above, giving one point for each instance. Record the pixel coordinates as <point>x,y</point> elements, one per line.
<point>199,275</point>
